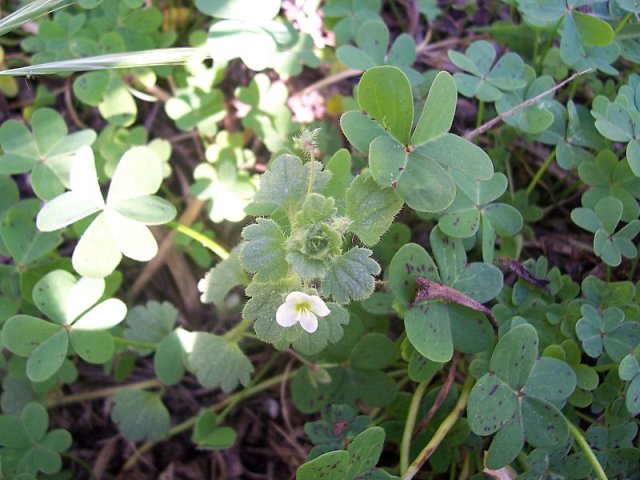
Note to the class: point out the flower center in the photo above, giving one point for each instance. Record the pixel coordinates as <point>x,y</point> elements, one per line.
<point>302,308</point>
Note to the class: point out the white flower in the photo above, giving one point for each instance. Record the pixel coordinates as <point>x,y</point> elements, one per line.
<point>303,308</point>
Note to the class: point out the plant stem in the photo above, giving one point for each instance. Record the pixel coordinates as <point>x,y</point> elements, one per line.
<point>622,23</point>
<point>205,241</point>
<point>409,425</point>
<point>236,332</point>
<point>134,343</point>
<point>444,428</point>
<point>593,460</point>
<point>480,114</point>
<point>543,168</point>
<point>102,393</point>
<point>231,400</point>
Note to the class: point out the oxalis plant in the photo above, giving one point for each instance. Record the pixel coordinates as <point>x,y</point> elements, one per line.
<point>383,309</point>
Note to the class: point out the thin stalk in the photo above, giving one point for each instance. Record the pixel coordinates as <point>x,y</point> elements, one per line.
<point>586,449</point>
<point>444,428</point>
<point>187,424</point>
<point>134,343</point>
<point>622,23</point>
<point>532,101</point>
<point>102,393</point>
<point>236,332</point>
<point>541,170</point>
<point>409,425</point>
<point>205,241</point>
<point>480,114</point>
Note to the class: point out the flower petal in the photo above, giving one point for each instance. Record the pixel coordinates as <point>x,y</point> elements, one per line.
<point>308,321</point>
<point>286,315</point>
<point>318,306</point>
<point>295,298</point>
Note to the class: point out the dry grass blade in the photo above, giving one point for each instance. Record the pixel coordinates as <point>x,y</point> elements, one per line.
<point>30,12</point>
<point>145,58</point>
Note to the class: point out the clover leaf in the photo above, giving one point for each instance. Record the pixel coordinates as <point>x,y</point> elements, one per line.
<point>348,15</point>
<point>207,434</point>
<point>338,427</point>
<point>548,464</point>
<point>606,330</point>
<point>602,221</point>
<point>444,302</point>
<point>121,226</point>
<point>613,446</point>
<point>47,151</point>
<point>609,177</point>
<point>573,133</point>
<point>372,41</point>
<point>586,40</point>
<point>253,35</point>
<point>263,109</point>
<point>485,80</point>
<point>533,119</point>
<point>474,209</point>
<point>28,448</point>
<point>222,180</point>
<point>620,121</point>
<point>78,320</point>
<point>358,461</point>
<point>413,161</point>
<point>520,398</point>
<point>629,371</point>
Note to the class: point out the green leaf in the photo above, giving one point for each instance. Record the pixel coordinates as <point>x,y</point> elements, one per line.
<point>207,434</point>
<point>22,334</point>
<point>93,346</point>
<point>449,254</point>
<point>218,362</point>
<point>428,329</point>
<point>170,358</point>
<point>544,424</point>
<point>350,276</point>
<point>479,281</point>
<point>384,93</point>
<point>330,466</point>
<point>420,181</point>
<point>408,263</point>
<point>221,279</point>
<point>360,129</point>
<point>492,403</point>
<point>47,358</point>
<point>140,415</point>
<point>263,251</point>
<point>150,323</point>
<point>438,111</point>
<point>515,355</point>
<point>364,451</point>
<point>371,209</point>
<point>373,351</point>
<point>551,380</point>
<point>330,330</point>
<point>593,31</point>
<point>340,167</point>
<point>459,154</point>
<point>506,444</point>
<point>286,181</point>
